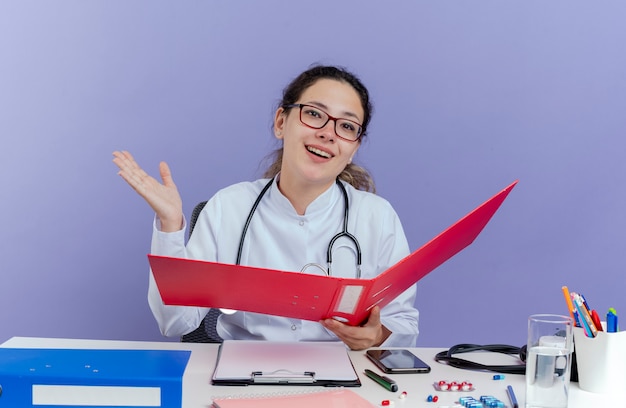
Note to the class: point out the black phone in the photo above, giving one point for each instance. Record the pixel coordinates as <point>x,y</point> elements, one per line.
<point>397,361</point>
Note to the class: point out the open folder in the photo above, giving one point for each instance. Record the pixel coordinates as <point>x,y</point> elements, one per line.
<point>247,362</point>
<point>298,295</point>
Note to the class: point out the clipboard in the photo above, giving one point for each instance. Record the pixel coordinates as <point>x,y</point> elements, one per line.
<point>187,282</point>
<point>250,362</point>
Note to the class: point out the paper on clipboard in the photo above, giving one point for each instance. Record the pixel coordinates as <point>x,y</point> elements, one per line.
<point>189,282</point>
<point>248,362</point>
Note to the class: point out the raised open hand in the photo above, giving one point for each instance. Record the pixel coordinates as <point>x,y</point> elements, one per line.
<point>162,197</point>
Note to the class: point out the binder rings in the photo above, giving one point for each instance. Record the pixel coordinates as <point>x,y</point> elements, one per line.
<point>189,282</point>
<point>250,362</point>
<point>31,377</point>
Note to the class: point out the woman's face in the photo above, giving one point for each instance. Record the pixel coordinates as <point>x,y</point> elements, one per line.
<point>318,156</point>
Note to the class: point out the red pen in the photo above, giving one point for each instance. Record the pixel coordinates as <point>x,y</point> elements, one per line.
<point>596,320</point>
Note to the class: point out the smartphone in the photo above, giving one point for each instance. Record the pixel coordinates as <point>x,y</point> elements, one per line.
<point>397,361</point>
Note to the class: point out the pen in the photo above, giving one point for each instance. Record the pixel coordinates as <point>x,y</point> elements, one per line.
<point>386,382</point>
<point>570,305</point>
<point>585,318</point>
<point>582,297</point>
<point>509,390</point>
<point>595,317</point>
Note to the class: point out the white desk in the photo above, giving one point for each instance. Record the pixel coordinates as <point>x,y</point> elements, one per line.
<point>198,391</point>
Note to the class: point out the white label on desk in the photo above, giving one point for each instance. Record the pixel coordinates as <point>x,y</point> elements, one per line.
<point>96,396</point>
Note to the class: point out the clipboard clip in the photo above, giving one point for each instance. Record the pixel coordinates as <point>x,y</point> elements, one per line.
<point>282,376</point>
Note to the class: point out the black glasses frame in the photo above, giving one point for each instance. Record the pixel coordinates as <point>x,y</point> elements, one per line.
<point>334,119</point>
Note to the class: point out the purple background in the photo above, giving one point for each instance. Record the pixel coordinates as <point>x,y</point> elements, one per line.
<point>468,96</point>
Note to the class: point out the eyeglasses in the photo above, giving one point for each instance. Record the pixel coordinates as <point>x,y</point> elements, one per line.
<point>316,118</point>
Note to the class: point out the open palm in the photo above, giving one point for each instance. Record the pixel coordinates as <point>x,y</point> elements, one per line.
<point>164,197</point>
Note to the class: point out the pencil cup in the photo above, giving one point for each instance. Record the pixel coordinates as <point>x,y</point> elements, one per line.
<point>548,362</point>
<point>601,361</point>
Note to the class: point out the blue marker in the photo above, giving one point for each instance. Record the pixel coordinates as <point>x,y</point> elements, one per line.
<point>512,397</point>
<point>611,321</point>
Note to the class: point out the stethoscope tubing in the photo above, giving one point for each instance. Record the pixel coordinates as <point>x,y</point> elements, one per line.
<point>343,233</point>
<point>244,231</point>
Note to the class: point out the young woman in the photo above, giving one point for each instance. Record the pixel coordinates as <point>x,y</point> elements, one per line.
<point>308,194</point>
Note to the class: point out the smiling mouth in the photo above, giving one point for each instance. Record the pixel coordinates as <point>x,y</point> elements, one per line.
<point>318,152</point>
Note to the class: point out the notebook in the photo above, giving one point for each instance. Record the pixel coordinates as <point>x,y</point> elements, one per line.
<point>340,398</point>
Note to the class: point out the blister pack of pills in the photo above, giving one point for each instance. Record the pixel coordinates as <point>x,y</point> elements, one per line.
<point>453,386</point>
<point>485,401</point>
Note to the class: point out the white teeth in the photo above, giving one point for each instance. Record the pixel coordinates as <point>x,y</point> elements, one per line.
<point>318,152</point>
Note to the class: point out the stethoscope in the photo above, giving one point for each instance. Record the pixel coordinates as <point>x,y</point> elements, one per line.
<point>329,253</point>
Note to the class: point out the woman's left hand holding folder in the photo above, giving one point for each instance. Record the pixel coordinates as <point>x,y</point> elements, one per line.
<point>371,334</point>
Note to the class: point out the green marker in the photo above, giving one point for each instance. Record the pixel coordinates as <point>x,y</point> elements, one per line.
<point>386,382</point>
